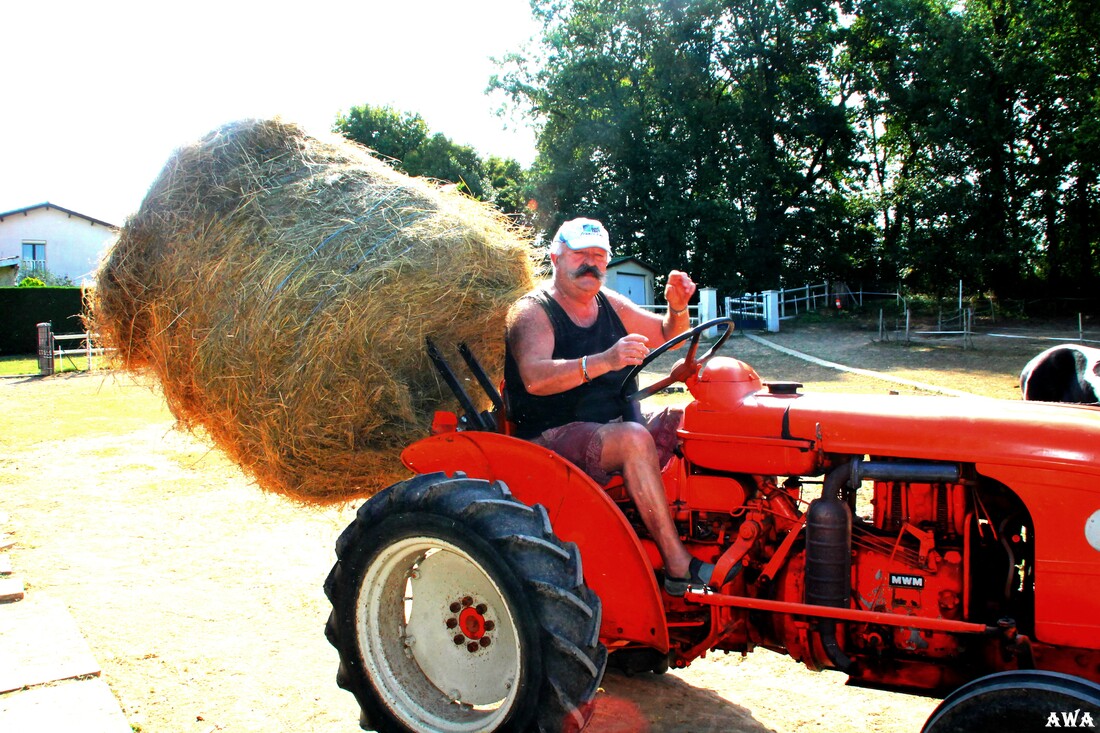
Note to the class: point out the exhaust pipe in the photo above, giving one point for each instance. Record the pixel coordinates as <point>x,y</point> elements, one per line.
<point>829,535</point>
<point>829,558</point>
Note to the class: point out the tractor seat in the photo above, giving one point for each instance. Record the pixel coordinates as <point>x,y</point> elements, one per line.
<point>616,488</point>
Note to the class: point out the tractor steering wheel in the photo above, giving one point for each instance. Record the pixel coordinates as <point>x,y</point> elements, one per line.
<point>684,368</point>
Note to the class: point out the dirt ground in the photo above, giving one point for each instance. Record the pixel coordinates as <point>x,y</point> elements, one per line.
<point>201,595</point>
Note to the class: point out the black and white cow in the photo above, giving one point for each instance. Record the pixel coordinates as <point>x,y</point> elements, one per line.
<point>1069,373</point>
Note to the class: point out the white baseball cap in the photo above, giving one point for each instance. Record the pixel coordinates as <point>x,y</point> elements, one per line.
<point>582,234</point>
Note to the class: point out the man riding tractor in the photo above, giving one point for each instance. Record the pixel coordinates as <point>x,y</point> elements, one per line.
<point>487,591</point>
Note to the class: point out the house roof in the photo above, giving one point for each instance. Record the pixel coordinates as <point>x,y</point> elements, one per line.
<point>631,258</point>
<point>47,205</point>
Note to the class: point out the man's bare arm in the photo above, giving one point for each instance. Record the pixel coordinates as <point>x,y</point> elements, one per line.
<point>531,338</point>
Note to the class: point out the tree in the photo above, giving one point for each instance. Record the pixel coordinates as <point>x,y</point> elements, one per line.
<point>384,130</point>
<point>1047,53</point>
<point>904,58</point>
<point>439,158</point>
<point>793,134</point>
<point>762,142</point>
<point>511,190</point>
<point>406,139</point>
<point>698,131</point>
<point>971,122</point>
<point>39,278</point>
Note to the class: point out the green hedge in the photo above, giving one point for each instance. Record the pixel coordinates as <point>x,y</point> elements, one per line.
<point>22,309</point>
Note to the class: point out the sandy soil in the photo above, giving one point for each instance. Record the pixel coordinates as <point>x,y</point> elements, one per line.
<point>201,595</point>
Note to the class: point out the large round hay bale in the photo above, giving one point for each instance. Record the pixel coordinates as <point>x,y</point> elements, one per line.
<point>281,288</point>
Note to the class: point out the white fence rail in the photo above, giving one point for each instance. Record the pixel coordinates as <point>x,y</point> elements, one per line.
<point>766,308</point>
<point>1080,337</point>
<point>801,300</point>
<point>959,324</point>
<point>661,310</point>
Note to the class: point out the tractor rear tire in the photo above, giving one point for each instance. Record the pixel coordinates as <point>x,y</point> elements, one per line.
<point>1018,700</point>
<point>455,609</point>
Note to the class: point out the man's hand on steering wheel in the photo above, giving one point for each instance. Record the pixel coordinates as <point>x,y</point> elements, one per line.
<point>629,351</point>
<point>683,369</point>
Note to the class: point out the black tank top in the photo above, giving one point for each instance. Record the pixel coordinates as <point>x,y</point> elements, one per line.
<point>595,401</point>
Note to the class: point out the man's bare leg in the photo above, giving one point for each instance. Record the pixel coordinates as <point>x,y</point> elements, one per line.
<point>628,447</point>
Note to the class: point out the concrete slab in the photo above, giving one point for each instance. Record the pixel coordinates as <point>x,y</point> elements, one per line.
<point>40,643</point>
<point>86,705</point>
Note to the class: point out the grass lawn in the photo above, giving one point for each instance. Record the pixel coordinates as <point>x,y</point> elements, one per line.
<point>77,405</point>
<point>25,364</point>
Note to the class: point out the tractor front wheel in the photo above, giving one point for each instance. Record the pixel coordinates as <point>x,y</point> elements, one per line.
<point>455,609</point>
<point>1018,700</point>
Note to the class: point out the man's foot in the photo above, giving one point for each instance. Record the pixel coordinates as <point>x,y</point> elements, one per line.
<point>699,573</point>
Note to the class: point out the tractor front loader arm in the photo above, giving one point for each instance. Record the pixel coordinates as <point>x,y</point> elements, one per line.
<point>615,564</point>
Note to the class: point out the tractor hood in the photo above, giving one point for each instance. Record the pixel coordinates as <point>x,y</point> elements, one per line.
<point>789,431</point>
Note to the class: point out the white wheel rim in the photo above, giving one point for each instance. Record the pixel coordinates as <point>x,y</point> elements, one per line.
<point>437,637</point>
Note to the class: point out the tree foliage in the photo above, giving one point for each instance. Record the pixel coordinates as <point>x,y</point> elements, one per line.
<point>765,142</point>
<point>406,138</point>
<point>41,278</point>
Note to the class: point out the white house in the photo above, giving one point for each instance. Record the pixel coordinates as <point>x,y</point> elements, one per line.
<point>47,237</point>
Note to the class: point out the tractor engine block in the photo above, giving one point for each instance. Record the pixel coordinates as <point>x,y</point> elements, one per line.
<point>909,560</point>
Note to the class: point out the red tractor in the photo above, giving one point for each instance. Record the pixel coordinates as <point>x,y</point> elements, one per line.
<point>489,591</point>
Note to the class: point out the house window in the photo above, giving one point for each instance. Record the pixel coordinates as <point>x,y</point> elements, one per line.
<point>34,257</point>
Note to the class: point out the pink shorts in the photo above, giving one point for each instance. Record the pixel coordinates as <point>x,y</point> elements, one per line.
<point>582,444</point>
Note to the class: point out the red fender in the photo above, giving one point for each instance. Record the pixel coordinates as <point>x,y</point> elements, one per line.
<point>616,566</point>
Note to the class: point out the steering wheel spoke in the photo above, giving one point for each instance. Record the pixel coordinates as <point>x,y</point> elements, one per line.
<point>652,389</point>
<point>693,347</point>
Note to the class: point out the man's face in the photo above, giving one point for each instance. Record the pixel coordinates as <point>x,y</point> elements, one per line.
<point>587,268</point>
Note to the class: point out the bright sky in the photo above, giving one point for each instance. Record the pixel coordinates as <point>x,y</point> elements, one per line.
<point>98,94</point>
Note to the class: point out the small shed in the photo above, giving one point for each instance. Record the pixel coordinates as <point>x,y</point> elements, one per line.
<point>631,277</point>
<point>9,268</point>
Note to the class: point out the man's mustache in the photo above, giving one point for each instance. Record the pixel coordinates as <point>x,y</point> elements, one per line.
<point>586,270</point>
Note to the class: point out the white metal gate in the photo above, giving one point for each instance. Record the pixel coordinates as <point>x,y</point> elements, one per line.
<point>748,311</point>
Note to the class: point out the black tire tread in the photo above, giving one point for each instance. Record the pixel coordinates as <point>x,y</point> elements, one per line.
<point>1017,699</point>
<point>569,611</point>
